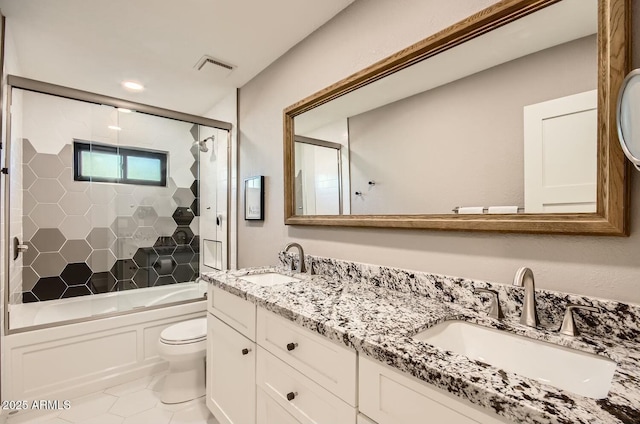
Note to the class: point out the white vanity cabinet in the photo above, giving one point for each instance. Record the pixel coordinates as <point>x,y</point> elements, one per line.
<point>389,396</point>
<point>265,369</point>
<point>231,358</point>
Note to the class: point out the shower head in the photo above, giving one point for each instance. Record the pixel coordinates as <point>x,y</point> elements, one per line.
<point>203,143</point>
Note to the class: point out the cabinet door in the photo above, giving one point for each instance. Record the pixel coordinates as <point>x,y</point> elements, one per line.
<point>231,374</point>
<point>270,412</point>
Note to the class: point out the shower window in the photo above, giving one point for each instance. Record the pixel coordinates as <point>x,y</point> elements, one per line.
<point>113,164</point>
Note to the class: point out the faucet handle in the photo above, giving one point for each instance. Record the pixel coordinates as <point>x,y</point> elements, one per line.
<point>568,326</point>
<point>495,311</point>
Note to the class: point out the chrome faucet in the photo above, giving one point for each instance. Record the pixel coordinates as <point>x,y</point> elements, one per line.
<point>524,278</point>
<point>301,265</point>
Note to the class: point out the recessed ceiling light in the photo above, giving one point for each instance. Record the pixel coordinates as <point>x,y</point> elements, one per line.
<point>123,110</point>
<point>114,127</point>
<point>132,85</point>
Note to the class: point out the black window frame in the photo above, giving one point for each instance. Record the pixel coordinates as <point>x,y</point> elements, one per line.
<point>80,146</point>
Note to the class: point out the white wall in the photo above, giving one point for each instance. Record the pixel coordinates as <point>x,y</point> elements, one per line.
<point>366,32</point>
<point>440,149</point>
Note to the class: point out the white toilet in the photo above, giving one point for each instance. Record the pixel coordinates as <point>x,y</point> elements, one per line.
<point>184,345</point>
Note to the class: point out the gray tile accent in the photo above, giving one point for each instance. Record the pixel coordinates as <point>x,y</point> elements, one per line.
<point>146,195</point>
<point>30,255</point>
<point>28,151</point>
<point>195,132</point>
<point>75,203</point>
<point>100,216</point>
<point>48,240</point>
<point>28,202</point>
<point>123,204</point>
<point>101,260</point>
<point>46,166</point>
<point>124,247</point>
<point>47,215</point>
<point>29,228</point>
<point>75,227</point>
<point>145,237</point>
<point>124,226</point>
<point>164,206</point>
<point>28,177</point>
<point>66,155</point>
<point>183,197</point>
<point>145,216</point>
<point>47,190</point>
<point>75,251</point>
<point>66,179</point>
<point>29,278</point>
<point>165,226</point>
<point>101,193</point>
<point>101,238</point>
<point>49,264</point>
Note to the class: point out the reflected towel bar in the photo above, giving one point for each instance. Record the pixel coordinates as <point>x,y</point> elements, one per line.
<point>484,210</point>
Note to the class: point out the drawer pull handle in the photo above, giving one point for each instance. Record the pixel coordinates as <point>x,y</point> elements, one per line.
<point>291,396</point>
<point>291,346</point>
<point>246,351</point>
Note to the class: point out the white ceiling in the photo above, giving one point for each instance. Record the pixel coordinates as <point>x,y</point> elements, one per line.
<point>94,45</point>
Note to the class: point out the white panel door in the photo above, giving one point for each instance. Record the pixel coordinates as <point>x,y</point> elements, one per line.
<point>560,154</point>
<point>231,374</point>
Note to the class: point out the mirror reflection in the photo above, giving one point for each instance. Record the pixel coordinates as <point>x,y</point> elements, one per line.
<point>504,123</point>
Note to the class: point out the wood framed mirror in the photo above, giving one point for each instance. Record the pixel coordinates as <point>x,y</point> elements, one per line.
<point>506,75</point>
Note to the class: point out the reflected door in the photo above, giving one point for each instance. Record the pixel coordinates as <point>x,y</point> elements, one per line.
<point>560,155</point>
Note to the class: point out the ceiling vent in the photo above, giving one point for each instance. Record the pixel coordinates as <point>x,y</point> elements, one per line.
<point>214,66</point>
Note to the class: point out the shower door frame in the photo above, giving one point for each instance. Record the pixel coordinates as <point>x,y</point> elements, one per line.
<point>27,84</point>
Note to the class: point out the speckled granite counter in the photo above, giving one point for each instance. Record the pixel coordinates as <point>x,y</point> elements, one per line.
<point>376,310</point>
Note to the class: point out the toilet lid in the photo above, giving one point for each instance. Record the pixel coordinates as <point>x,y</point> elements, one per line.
<point>190,331</point>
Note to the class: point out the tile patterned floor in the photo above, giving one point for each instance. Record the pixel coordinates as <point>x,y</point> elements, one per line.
<point>135,402</point>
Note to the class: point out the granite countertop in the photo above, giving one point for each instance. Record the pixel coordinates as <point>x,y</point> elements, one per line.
<point>379,322</point>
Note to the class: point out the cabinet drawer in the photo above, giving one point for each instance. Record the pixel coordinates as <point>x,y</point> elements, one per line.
<point>270,412</point>
<point>311,403</point>
<point>325,362</point>
<point>233,310</point>
<point>391,397</point>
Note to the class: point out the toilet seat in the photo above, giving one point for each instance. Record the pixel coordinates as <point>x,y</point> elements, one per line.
<point>187,332</point>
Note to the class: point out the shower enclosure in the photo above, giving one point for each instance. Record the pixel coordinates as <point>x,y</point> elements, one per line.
<point>105,197</point>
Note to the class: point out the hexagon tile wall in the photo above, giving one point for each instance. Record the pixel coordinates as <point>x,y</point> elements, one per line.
<point>88,238</point>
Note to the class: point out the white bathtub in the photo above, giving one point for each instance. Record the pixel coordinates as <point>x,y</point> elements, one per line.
<point>65,361</point>
<point>51,311</point>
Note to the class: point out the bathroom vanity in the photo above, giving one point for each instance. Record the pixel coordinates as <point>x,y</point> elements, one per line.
<point>343,346</point>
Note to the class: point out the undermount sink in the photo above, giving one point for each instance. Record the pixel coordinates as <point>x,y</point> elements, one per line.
<point>582,373</point>
<point>269,279</point>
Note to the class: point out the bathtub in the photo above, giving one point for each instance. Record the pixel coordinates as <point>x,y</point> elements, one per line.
<point>61,349</point>
<point>61,310</point>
